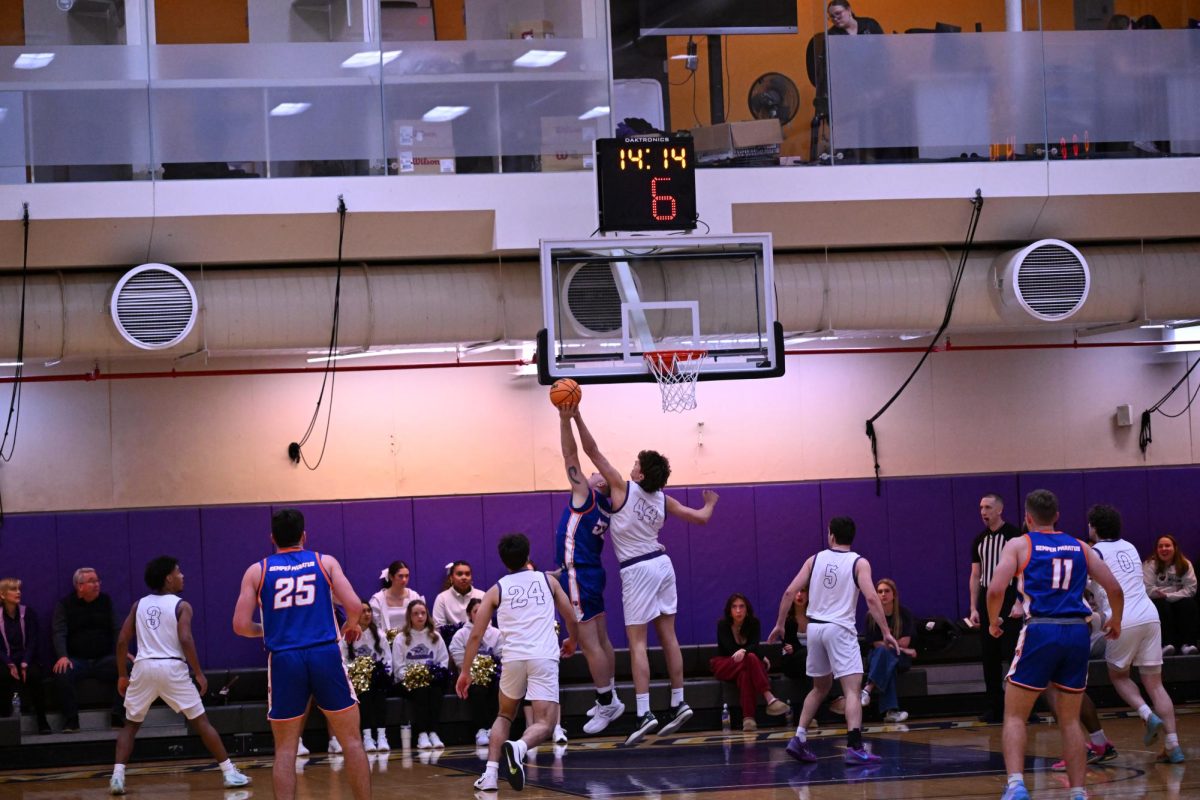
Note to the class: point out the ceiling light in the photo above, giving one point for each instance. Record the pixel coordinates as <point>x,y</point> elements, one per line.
<point>371,58</point>
<point>33,60</point>
<point>444,113</point>
<point>598,111</point>
<point>540,58</point>
<point>395,351</point>
<point>290,109</point>
<point>798,340</point>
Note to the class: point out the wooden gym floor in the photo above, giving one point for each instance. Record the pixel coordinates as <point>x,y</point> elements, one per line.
<point>928,759</point>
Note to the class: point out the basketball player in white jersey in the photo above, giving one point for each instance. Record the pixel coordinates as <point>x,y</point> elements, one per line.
<point>639,509</point>
<point>1140,642</point>
<point>163,623</point>
<point>524,601</point>
<point>834,578</point>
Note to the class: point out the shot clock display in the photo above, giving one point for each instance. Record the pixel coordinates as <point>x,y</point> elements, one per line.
<point>646,183</point>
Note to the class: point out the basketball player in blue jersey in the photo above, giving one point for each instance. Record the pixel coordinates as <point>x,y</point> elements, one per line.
<point>1054,644</point>
<point>294,591</point>
<point>578,545</point>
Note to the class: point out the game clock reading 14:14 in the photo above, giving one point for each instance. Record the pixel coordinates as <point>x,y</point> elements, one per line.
<point>646,183</point>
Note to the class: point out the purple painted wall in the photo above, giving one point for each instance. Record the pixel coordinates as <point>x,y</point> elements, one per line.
<point>918,532</point>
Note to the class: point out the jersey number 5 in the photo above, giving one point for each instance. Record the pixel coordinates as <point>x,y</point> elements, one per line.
<point>519,597</point>
<point>1060,577</point>
<point>831,576</point>
<point>295,591</point>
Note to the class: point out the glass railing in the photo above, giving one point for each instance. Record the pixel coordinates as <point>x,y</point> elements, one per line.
<point>119,91</point>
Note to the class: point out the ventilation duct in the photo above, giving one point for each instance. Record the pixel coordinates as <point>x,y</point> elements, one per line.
<point>153,307</point>
<point>1048,280</point>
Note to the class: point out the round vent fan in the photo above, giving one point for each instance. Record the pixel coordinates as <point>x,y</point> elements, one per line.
<point>154,306</point>
<point>774,96</point>
<point>1048,280</point>
<point>593,299</point>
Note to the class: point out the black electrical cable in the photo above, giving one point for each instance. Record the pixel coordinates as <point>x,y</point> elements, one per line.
<point>1144,437</point>
<point>977,208</point>
<point>12,424</point>
<point>296,449</point>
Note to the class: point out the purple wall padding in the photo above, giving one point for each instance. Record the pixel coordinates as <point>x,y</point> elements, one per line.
<point>788,529</point>
<point>234,537</point>
<point>29,551</point>
<point>1127,490</point>
<point>920,539</point>
<point>445,529</point>
<point>1173,494</point>
<point>171,532</point>
<point>99,540</point>
<point>322,526</point>
<point>966,492</point>
<point>857,500</point>
<point>724,558</point>
<point>376,532</point>
<point>530,514</point>
<point>1068,486</point>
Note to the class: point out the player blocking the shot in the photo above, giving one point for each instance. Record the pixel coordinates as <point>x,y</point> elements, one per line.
<point>578,545</point>
<point>524,602</point>
<point>639,510</point>
<point>834,578</point>
<point>1055,642</point>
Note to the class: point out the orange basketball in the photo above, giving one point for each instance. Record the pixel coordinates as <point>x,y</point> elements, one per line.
<point>565,392</point>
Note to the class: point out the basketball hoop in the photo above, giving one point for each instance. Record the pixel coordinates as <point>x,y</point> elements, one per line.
<point>676,372</point>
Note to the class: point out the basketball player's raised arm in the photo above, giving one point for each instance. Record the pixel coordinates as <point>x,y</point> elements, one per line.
<point>567,612</point>
<point>696,516</point>
<point>615,480</point>
<point>483,619</point>
<point>123,640</point>
<point>789,596</point>
<point>344,593</point>
<point>570,453</point>
<point>243,612</point>
<point>187,643</point>
<point>1101,574</point>
<point>1014,554</point>
<point>862,574</point>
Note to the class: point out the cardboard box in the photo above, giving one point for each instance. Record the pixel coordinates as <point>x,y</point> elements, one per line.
<point>726,139</point>
<point>531,29</point>
<point>567,143</point>
<point>422,148</point>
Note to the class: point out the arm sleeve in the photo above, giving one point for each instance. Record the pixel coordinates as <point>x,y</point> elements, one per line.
<point>1187,587</point>
<point>458,646</point>
<point>60,630</point>
<point>440,654</point>
<point>440,618</point>
<point>908,625</point>
<point>376,605</point>
<point>975,559</point>
<point>1148,575</point>
<point>726,644</point>
<point>753,636</point>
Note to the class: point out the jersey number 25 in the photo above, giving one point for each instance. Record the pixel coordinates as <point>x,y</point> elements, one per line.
<point>295,591</point>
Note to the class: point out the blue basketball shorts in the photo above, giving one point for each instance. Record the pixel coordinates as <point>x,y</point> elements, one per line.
<point>1052,653</point>
<point>295,675</point>
<point>584,586</point>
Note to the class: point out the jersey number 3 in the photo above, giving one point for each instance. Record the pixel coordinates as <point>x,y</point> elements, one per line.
<point>1060,577</point>
<point>295,591</point>
<point>519,596</point>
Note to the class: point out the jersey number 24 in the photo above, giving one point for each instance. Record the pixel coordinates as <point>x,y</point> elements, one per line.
<point>519,596</point>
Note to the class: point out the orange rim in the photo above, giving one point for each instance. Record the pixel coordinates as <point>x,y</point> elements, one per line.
<point>667,359</point>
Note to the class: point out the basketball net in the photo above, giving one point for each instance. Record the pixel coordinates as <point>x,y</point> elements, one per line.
<point>676,372</point>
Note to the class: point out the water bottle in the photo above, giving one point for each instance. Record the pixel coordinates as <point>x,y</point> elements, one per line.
<point>725,717</point>
<point>405,737</point>
<point>16,704</point>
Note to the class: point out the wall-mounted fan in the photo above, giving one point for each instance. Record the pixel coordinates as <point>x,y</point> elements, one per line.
<point>774,96</point>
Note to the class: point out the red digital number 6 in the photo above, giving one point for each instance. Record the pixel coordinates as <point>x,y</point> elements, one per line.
<point>656,198</point>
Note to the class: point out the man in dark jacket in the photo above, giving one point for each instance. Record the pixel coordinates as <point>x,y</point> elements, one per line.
<point>85,641</point>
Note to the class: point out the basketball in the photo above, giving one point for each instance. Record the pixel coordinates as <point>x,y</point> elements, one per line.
<point>565,392</point>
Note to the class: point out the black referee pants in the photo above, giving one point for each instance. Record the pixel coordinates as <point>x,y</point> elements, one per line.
<point>994,653</point>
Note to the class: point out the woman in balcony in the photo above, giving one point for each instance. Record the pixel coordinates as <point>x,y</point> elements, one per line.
<point>846,24</point>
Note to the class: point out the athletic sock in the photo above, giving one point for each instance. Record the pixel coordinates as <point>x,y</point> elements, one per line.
<point>1098,738</point>
<point>1172,741</point>
<point>802,733</point>
<point>854,739</point>
<point>491,768</point>
<point>227,766</point>
<point>676,696</point>
<point>612,685</point>
<point>522,749</point>
<point>1144,712</point>
<point>643,704</point>
<point>1016,777</point>
<point>605,697</point>
<point>118,771</point>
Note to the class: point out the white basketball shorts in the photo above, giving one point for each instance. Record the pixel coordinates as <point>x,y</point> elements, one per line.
<point>536,679</point>
<point>167,678</point>
<point>648,590</point>
<point>832,650</point>
<point>1139,646</point>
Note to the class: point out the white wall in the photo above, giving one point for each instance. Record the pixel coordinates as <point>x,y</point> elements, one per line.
<point>164,442</point>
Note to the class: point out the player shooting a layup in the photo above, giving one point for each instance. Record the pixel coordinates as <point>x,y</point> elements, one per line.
<point>834,578</point>
<point>525,601</point>
<point>294,590</point>
<point>647,577</point>
<point>1054,644</point>
<point>578,545</point>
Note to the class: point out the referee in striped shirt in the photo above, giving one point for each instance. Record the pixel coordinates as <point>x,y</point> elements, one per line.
<point>985,554</point>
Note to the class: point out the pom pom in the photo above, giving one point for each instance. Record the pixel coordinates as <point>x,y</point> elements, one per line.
<point>361,671</point>
<point>391,634</point>
<point>484,670</point>
<point>417,676</point>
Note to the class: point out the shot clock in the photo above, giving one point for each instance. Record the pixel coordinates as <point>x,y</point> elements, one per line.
<point>646,183</point>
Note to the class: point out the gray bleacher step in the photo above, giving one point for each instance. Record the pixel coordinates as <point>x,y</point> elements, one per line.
<point>945,679</point>
<point>94,726</point>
